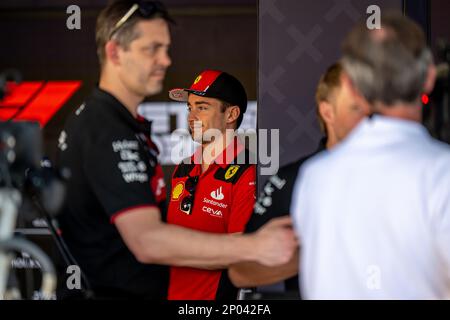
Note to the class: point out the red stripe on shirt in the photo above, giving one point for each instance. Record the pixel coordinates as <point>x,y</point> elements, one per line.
<point>127,210</point>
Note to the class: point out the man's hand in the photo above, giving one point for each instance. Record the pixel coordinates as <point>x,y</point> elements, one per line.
<point>275,242</point>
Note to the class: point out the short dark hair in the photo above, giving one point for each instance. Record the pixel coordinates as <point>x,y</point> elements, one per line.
<point>225,105</point>
<point>388,65</point>
<point>126,33</point>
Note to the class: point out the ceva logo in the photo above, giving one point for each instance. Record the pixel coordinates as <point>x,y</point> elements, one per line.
<point>212,212</point>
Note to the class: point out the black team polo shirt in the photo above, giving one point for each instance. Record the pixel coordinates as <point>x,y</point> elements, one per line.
<point>114,168</point>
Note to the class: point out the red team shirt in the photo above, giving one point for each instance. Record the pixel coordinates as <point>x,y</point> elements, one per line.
<point>223,202</point>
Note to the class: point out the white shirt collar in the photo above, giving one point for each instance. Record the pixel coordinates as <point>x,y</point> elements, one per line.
<point>383,130</point>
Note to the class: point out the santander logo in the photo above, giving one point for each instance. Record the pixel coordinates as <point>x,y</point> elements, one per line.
<point>217,194</point>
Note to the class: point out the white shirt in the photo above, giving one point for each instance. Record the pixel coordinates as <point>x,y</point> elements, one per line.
<point>373,215</point>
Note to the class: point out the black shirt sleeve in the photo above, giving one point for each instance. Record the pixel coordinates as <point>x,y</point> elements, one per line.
<point>118,171</point>
<point>275,198</point>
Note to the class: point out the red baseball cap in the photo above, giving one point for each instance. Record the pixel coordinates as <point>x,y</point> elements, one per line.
<point>214,84</point>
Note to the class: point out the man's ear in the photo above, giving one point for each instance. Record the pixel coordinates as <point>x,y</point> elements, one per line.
<point>233,114</point>
<point>326,112</point>
<point>430,79</point>
<point>112,52</point>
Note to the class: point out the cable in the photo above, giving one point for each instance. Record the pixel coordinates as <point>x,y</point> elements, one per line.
<point>5,176</point>
<point>68,258</point>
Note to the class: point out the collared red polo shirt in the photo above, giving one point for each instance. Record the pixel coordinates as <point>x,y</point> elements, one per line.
<point>223,201</point>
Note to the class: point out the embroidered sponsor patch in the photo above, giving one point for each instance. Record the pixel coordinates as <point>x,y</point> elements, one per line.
<point>177,191</point>
<point>232,170</point>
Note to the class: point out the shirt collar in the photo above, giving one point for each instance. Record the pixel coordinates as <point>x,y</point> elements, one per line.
<point>139,124</point>
<point>397,125</point>
<point>383,130</point>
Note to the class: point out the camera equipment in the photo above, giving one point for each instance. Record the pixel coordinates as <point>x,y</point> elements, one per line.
<point>31,193</point>
<point>5,76</point>
<point>20,152</point>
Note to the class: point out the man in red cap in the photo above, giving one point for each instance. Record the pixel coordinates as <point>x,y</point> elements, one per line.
<point>113,216</point>
<point>214,190</point>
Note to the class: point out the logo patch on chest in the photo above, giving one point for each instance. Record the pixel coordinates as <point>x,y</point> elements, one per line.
<point>217,194</point>
<point>213,212</point>
<point>231,172</point>
<point>177,191</point>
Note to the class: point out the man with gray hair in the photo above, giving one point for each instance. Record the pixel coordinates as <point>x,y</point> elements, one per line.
<point>373,214</point>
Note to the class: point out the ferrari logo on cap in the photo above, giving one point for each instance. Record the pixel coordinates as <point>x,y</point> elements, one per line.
<point>231,172</point>
<point>197,79</point>
<point>177,191</point>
